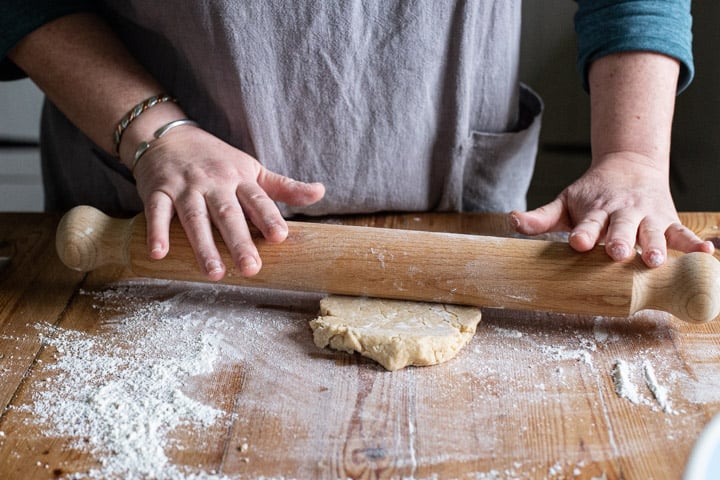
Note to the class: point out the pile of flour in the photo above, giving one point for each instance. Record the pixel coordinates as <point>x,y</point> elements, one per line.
<point>625,387</point>
<point>121,392</point>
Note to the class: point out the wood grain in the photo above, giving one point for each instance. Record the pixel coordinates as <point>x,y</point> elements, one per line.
<point>530,397</point>
<point>34,287</point>
<point>478,270</point>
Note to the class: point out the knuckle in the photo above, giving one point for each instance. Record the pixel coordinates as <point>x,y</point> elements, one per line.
<point>679,229</point>
<point>592,222</point>
<point>650,229</point>
<point>259,197</point>
<point>193,215</point>
<point>228,211</point>
<point>624,222</point>
<point>242,249</point>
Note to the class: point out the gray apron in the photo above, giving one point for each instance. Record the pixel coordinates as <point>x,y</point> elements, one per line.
<point>393,105</point>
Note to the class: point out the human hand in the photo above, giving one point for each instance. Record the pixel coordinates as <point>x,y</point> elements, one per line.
<point>622,199</point>
<point>209,182</point>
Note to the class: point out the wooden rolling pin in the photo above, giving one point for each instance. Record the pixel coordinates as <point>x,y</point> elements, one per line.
<point>412,265</point>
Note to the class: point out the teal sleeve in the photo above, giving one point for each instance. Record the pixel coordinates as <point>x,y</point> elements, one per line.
<point>611,26</point>
<point>20,17</point>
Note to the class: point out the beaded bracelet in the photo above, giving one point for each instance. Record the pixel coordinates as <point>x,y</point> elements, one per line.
<point>135,112</point>
<point>145,145</point>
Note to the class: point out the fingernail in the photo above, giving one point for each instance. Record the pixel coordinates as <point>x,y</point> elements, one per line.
<point>655,258</point>
<point>248,263</point>
<point>276,232</point>
<point>213,266</point>
<point>578,235</point>
<point>514,220</point>
<point>277,229</point>
<point>157,248</point>
<point>619,251</point>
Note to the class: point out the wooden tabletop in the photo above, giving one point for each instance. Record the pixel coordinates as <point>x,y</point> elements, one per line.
<point>109,376</point>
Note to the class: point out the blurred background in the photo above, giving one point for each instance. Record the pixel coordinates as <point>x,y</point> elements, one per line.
<point>548,66</point>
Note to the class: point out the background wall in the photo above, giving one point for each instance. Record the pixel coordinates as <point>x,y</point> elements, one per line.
<point>548,66</point>
<point>20,181</point>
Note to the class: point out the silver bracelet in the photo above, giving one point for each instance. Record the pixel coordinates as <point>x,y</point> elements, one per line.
<point>145,145</point>
<point>135,112</point>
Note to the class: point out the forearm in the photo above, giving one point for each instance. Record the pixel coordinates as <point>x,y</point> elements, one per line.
<point>624,198</point>
<point>632,103</point>
<point>85,70</point>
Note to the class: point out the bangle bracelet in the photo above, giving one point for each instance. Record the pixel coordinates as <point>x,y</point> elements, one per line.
<point>135,112</point>
<point>145,145</point>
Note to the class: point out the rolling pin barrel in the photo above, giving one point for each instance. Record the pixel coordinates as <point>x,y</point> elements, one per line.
<point>412,265</point>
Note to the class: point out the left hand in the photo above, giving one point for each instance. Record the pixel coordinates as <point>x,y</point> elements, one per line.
<point>623,200</point>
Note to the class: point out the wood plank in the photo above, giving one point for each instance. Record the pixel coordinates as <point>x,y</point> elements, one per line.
<point>35,287</point>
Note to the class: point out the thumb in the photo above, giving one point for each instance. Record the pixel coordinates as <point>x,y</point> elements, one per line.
<point>293,192</point>
<point>550,217</point>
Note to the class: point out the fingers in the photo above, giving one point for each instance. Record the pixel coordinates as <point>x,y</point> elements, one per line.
<point>681,238</point>
<point>589,230</point>
<point>654,239</point>
<point>252,200</point>
<point>652,242</point>
<point>194,217</point>
<point>197,214</point>
<point>159,213</point>
<point>620,202</point>
<point>228,215</point>
<point>262,211</point>
<point>208,182</point>
<point>227,211</point>
<point>585,233</point>
<point>621,234</point>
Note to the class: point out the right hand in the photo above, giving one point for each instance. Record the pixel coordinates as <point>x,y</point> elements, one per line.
<point>205,181</point>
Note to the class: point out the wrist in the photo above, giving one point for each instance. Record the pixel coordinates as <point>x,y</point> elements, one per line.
<point>143,128</point>
<point>628,160</point>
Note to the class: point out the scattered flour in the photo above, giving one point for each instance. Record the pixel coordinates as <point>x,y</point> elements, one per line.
<point>624,386</point>
<point>561,353</point>
<point>599,331</point>
<point>659,392</point>
<point>508,332</point>
<point>120,393</point>
<point>622,374</point>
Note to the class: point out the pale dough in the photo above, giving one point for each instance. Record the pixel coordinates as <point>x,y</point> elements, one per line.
<point>394,333</point>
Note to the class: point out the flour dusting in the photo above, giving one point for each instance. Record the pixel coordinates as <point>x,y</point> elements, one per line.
<point>122,392</point>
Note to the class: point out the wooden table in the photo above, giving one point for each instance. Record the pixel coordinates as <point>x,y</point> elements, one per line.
<point>113,377</point>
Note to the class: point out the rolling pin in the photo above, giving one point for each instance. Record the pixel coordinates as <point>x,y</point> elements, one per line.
<point>412,265</point>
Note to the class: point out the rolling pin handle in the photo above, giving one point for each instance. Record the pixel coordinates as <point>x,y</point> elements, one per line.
<point>688,288</point>
<point>87,239</point>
